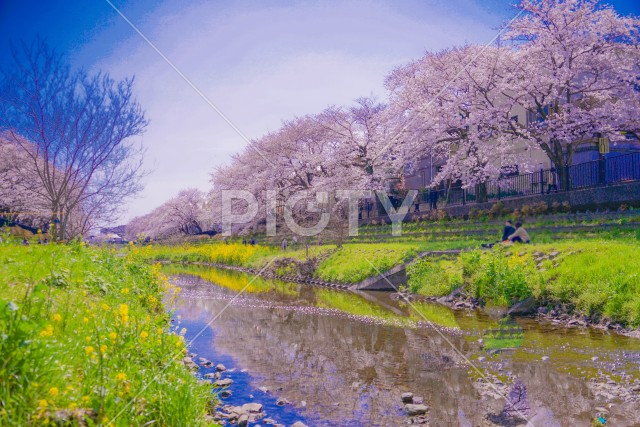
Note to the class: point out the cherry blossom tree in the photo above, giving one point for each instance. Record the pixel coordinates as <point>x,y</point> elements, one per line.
<point>576,72</point>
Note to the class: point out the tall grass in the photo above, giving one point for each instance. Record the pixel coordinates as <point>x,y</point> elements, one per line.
<point>86,340</point>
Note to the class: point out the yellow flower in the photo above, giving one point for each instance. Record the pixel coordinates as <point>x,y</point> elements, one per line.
<point>47,332</point>
<point>73,406</point>
<point>89,349</point>
<point>103,348</point>
<point>113,336</point>
<point>123,310</point>
<point>144,335</point>
<point>125,291</point>
<point>160,330</point>
<point>42,403</point>
<point>87,339</point>
<point>121,376</point>
<point>85,320</point>
<point>105,307</point>
<point>85,399</point>
<point>57,317</point>
<point>53,392</point>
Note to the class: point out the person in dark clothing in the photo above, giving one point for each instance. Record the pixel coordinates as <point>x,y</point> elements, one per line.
<point>433,199</point>
<point>508,230</point>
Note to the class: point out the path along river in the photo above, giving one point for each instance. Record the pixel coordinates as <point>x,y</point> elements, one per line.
<point>344,359</point>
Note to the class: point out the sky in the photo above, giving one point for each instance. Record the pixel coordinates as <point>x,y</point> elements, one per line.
<point>256,62</point>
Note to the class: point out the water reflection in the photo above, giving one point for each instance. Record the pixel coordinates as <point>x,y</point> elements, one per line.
<point>349,357</point>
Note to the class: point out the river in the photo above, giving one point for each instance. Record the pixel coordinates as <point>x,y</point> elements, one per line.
<point>344,359</point>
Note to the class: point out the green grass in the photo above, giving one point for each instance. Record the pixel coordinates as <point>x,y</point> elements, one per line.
<point>86,338</point>
<point>598,278</point>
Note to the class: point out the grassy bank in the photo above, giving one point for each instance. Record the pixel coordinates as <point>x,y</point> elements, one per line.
<point>86,340</point>
<point>351,263</point>
<point>596,278</point>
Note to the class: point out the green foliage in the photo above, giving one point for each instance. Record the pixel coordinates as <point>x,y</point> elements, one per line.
<point>503,279</point>
<point>83,333</point>
<point>433,278</point>
<point>353,263</point>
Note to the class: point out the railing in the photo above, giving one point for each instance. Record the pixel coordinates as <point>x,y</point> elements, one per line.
<point>605,171</point>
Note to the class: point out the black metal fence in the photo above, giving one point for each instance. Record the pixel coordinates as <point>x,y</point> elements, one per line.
<point>608,170</point>
<point>605,171</point>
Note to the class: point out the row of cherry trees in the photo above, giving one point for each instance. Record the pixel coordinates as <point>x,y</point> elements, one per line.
<point>571,66</point>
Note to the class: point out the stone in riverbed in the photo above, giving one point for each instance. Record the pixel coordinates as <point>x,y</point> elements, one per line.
<point>524,307</point>
<point>282,401</point>
<point>243,420</point>
<point>225,393</point>
<point>407,397</point>
<point>545,358</point>
<point>413,410</point>
<point>298,424</point>
<point>189,363</point>
<point>223,383</point>
<point>220,367</point>
<point>252,407</point>
<point>210,375</point>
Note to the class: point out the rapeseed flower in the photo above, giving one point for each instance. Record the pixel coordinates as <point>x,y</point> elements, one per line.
<point>47,332</point>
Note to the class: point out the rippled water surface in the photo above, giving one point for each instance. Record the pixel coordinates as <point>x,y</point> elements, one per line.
<point>343,358</point>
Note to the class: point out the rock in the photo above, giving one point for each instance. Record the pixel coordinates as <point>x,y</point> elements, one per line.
<point>554,254</point>
<point>481,359</point>
<point>595,358</point>
<point>418,400</point>
<point>189,363</point>
<point>220,367</point>
<point>545,358</point>
<point>298,424</point>
<point>524,307</point>
<point>407,397</point>
<point>522,254</point>
<point>210,375</point>
<point>253,408</point>
<point>303,403</point>
<point>282,401</point>
<point>413,410</point>
<point>223,383</point>
<point>543,310</point>
<point>225,393</point>
<point>243,420</point>
<point>263,389</point>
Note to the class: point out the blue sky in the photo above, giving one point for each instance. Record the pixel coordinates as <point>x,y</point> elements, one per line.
<point>259,62</point>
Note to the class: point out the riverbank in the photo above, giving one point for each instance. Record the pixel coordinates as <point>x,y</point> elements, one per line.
<point>581,282</point>
<point>87,341</point>
<point>580,279</point>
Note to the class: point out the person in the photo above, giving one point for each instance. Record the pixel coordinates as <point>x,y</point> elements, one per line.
<point>508,230</point>
<point>25,242</point>
<point>553,180</point>
<point>520,235</point>
<point>284,244</point>
<point>253,242</point>
<point>433,199</point>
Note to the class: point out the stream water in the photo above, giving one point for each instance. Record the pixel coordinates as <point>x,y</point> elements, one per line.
<point>344,359</point>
